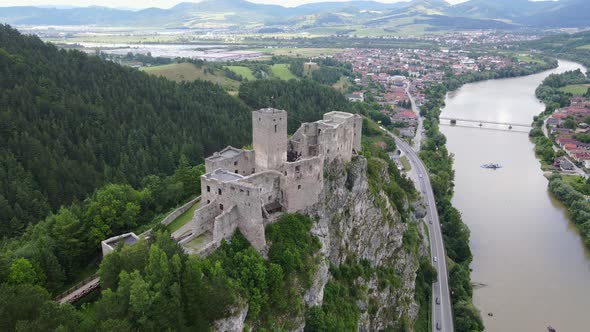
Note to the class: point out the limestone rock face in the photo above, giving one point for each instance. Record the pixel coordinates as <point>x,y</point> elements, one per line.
<point>352,222</point>
<point>235,322</point>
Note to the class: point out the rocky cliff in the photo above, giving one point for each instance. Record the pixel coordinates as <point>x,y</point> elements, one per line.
<point>357,221</point>
<point>370,248</point>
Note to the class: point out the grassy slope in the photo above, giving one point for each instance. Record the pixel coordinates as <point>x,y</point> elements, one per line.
<point>527,58</point>
<point>189,72</point>
<point>576,89</point>
<point>342,84</point>
<point>245,72</point>
<point>183,218</point>
<point>281,70</point>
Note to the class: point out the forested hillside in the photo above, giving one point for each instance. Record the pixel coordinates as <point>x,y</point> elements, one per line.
<point>70,123</point>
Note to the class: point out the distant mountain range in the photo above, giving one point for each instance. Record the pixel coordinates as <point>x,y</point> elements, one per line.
<point>432,14</point>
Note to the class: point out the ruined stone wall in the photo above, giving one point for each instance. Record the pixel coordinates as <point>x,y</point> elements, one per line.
<point>357,127</point>
<point>202,221</point>
<point>243,163</point>
<point>176,213</point>
<point>304,142</point>
<point>302,183</point>
<point>269,138</point>
<point>225,224</point>
<point>268,184</point>
<point>247,200</point>
<point>335,143</point>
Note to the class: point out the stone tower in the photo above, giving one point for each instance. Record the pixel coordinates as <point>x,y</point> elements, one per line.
<point>269,138</point>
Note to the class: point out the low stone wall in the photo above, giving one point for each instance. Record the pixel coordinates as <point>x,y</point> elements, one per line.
<point>176,213</point>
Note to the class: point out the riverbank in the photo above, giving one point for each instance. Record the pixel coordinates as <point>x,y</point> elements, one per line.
<point>562,136</point>
<point>525,250</point>
<point>440,165</point>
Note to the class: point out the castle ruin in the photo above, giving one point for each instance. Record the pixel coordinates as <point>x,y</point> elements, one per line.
<point>248,189</point>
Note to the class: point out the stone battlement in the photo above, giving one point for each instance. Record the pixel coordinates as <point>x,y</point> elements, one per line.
<point>246,189</point>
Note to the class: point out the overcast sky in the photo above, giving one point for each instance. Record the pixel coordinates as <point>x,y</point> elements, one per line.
<point>156,3</point>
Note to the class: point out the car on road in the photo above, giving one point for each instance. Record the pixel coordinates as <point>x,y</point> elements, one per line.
<point>437,300</point>
<point>420,175</point>
<point>430,221</point>
<point>438,326</point>
<point>435,259</point>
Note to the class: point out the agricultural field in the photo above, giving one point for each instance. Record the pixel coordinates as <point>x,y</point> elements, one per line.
<point>281,71</point>
<point>576,89</point>
<point>245,72</point>
<point>188,72</point>
<point>584,47</point>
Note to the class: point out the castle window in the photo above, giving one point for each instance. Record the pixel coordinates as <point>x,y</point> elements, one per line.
<point>299,187</point>
<point>208,201</point>
<point>221,206</point>
<point>269,198</point>
<point>237,172</point>
<point>285,173</point>
<point>235,163</point>
<point>218,191</point>
<point>275,128</point>
<point>248,193</point>
<point>208,189</point>
<point>297,169</point>
<point>253,170</point>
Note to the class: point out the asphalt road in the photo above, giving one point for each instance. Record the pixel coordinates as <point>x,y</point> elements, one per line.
<point>442,313</point>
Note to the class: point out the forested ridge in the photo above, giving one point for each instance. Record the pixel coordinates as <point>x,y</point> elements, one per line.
<point>70,122</point>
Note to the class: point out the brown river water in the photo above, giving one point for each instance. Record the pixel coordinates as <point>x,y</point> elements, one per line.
<point>530,259</point>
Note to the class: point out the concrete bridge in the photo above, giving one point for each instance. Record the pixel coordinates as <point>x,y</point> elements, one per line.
<point>453,120</point>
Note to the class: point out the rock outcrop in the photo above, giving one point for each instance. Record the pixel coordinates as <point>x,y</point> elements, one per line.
<point>355,223</point>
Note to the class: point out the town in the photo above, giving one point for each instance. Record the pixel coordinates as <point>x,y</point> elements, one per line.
<point>393,77</point>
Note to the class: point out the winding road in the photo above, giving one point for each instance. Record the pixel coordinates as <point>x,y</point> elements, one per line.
<point>442,312</point>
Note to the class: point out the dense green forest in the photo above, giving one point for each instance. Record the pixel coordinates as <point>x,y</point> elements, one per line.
<point>70,123</point>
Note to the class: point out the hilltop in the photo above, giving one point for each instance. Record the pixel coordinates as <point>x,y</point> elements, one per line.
<point>429,15</point>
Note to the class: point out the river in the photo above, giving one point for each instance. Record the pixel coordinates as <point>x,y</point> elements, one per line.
<point>530,258</point>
